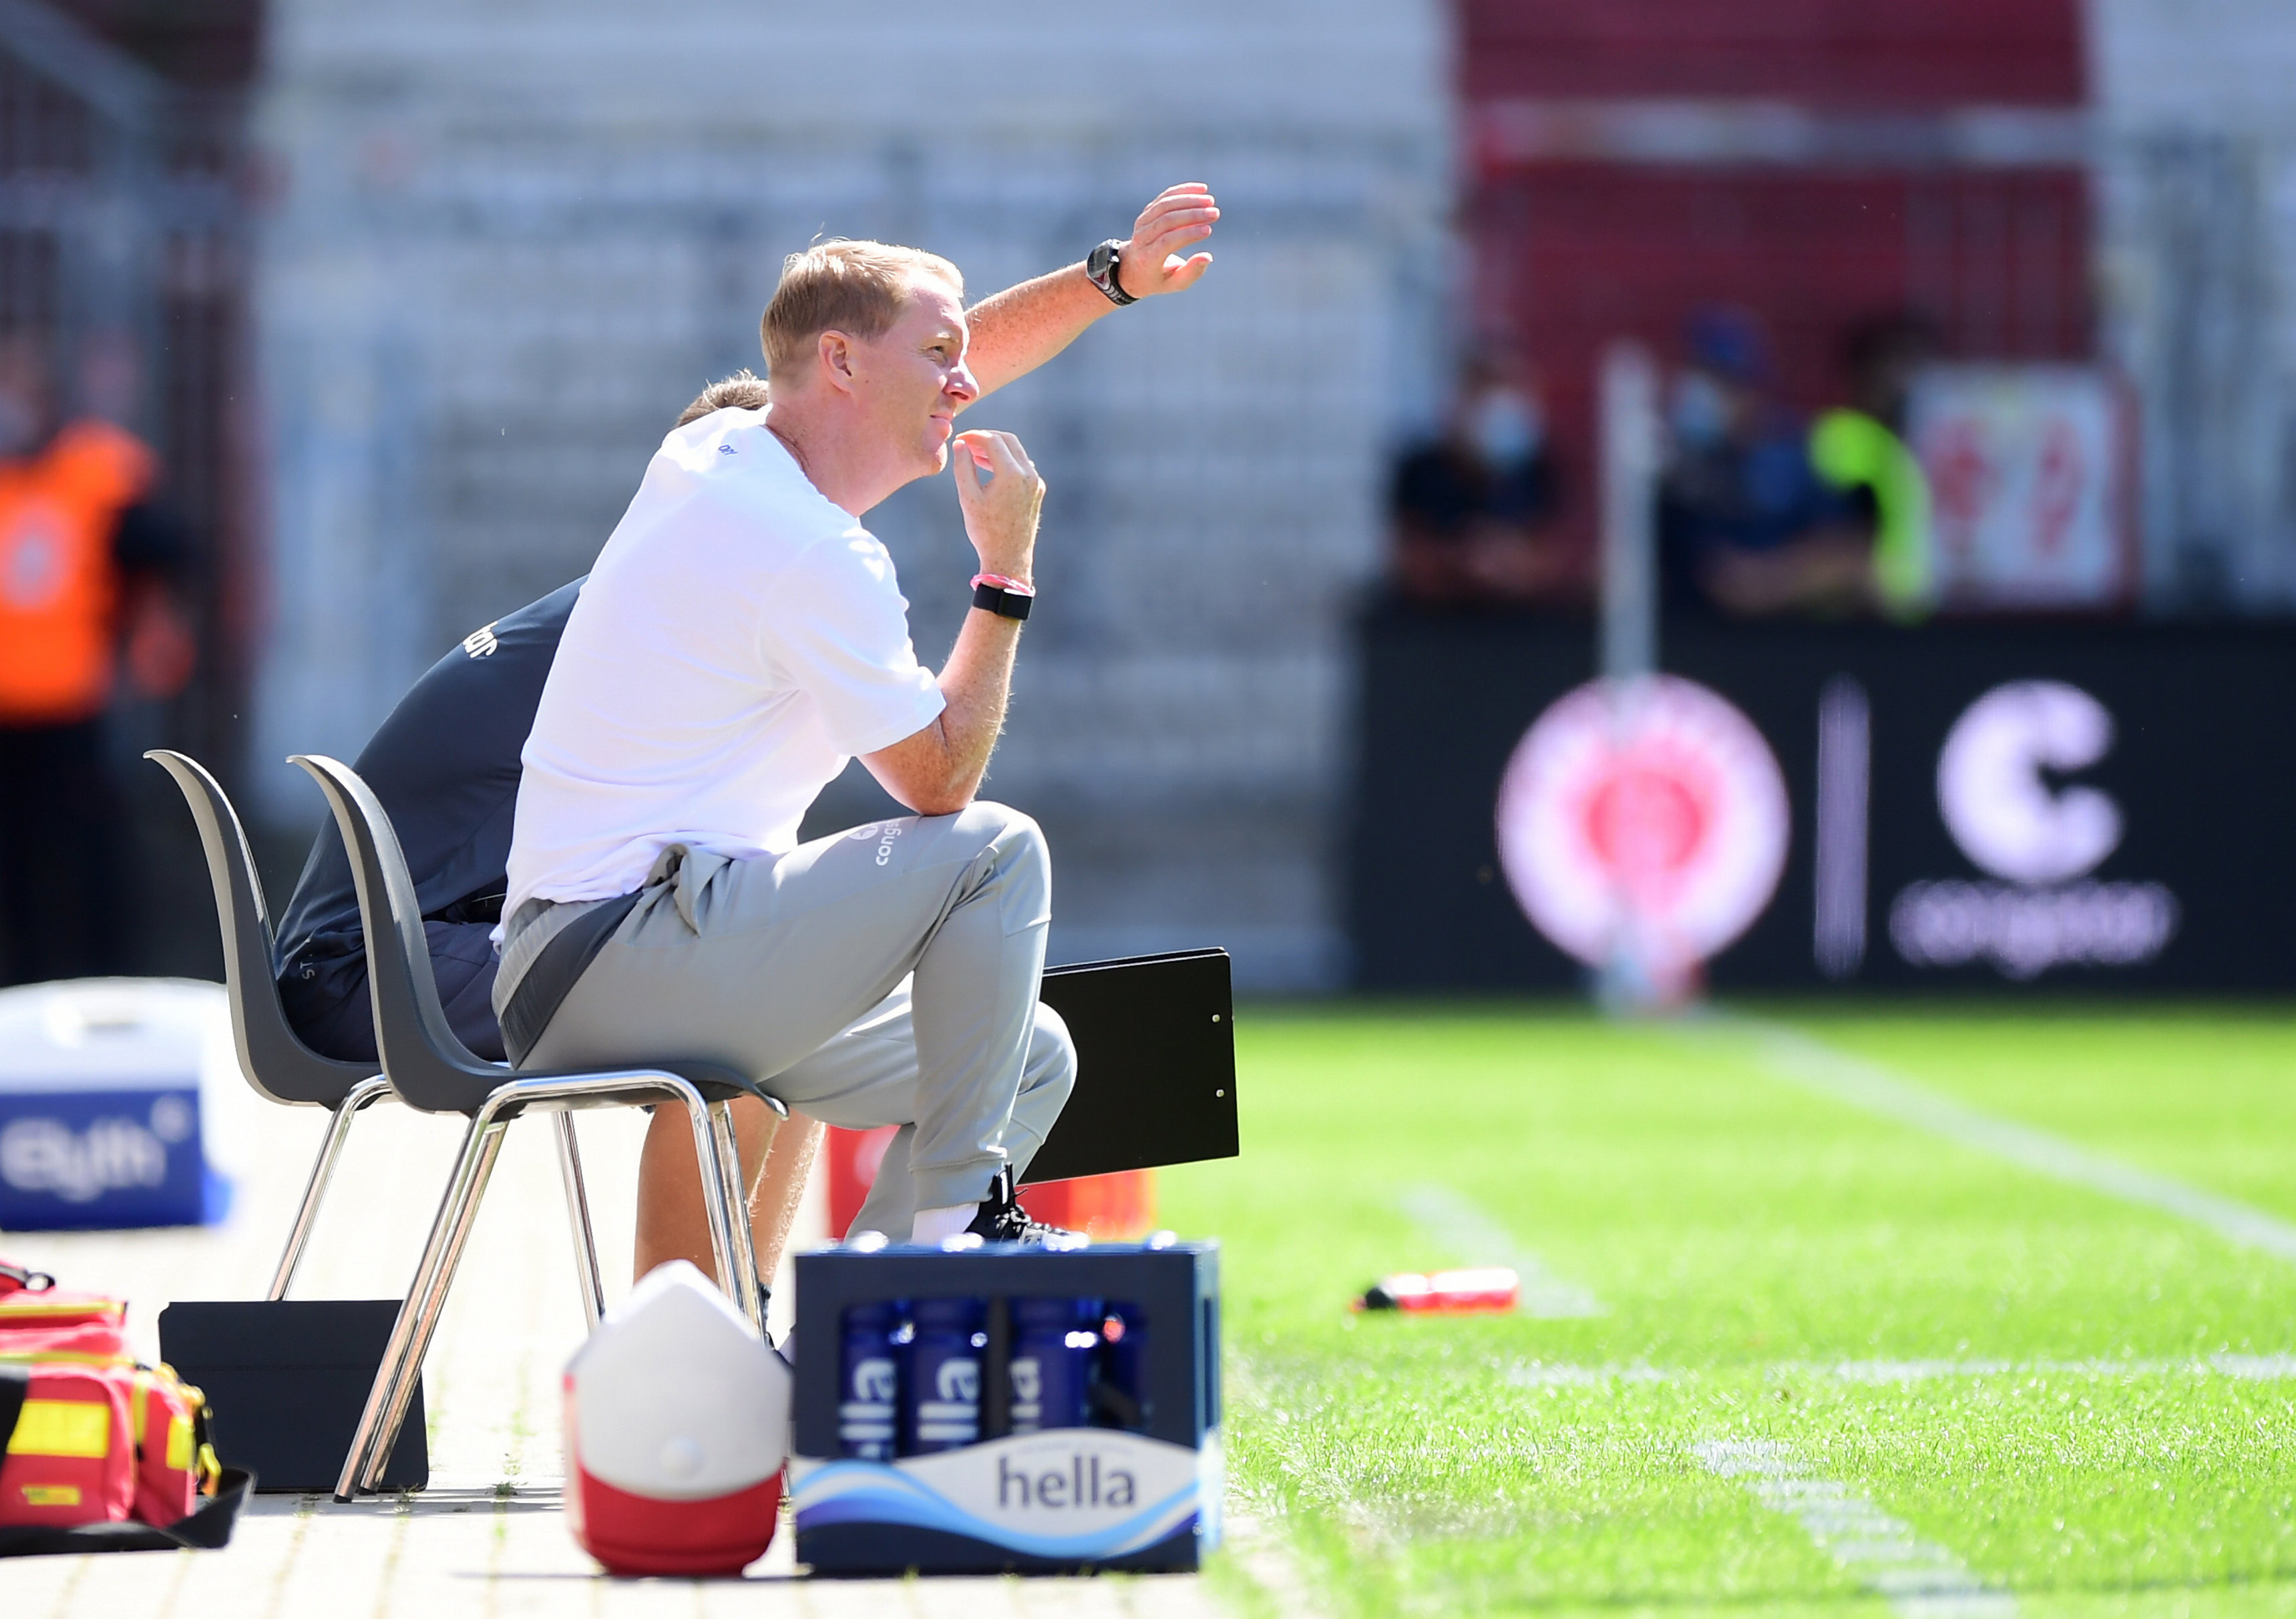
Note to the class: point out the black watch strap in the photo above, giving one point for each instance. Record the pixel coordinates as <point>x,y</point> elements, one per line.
<point>1011,603</point>
<point>1102,265</point>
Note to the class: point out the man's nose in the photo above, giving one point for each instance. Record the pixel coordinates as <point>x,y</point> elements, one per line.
<point>962,383</point>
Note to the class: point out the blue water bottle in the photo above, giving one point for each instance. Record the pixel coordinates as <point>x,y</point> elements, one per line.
<point>869,1380</point>
<point>944,1390</point>
<point>1054,1342</point>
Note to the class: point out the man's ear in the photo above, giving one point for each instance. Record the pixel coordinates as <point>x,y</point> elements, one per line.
<point>839,362</point>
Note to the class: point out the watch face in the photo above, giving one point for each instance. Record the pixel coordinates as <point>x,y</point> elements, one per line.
<point>1096,264</point>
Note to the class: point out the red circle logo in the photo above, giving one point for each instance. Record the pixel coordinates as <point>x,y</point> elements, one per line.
<point>1648,818</point>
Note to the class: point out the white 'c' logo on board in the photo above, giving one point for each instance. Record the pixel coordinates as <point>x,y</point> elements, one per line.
<point>2004,814</point>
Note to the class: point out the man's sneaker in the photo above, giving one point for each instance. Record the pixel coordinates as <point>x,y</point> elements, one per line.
<point>1002,1219</point>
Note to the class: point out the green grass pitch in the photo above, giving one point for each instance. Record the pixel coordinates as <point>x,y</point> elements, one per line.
<point>1841,1365</point>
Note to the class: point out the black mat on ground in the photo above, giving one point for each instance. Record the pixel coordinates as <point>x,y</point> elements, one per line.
<point>286,1380</point>
<point>209,1529</point>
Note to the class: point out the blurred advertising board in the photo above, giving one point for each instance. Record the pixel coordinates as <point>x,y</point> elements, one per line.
<point>122,1104</point>
<point>2040,805</point>
<point>2029,469</point>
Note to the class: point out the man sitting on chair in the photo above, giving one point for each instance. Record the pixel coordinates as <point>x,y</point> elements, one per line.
<point>859,1073</point>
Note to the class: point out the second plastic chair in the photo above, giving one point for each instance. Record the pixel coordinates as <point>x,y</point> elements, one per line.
<point>272,1056</point>
<point>431,1069</point>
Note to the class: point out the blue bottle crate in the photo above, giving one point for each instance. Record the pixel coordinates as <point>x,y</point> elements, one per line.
<point>1144,1496</point>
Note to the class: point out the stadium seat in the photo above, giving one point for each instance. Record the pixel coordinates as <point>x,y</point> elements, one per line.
<point>431,1070</point>
<point>275,1059</point>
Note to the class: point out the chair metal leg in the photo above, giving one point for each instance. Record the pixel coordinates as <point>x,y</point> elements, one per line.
<point>418,1317</point>
<point>578,1218</point>
<point>717,1207</point>
<point>450,1232</point>
<point>737,1192</point>
<point>338,1129</point>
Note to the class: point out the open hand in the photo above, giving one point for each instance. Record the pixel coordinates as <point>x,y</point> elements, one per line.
<point>1180,217</point>
<point>1000,514</point>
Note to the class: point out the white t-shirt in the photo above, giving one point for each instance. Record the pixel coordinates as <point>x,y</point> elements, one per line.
<point>739,640</point>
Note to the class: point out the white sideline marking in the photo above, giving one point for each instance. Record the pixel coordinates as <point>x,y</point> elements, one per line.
<point>1792,1055</point>
<point>1266,1561</point>
<point>1546,1374</point>
<point>1466,1231</point>
<point>2256,1368</point>
<point>1258,1547</point>
<point>1921,1580</point>
<point>2240,1368</point>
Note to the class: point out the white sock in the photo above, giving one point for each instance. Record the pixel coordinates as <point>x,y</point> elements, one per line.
<point>932,1225</point>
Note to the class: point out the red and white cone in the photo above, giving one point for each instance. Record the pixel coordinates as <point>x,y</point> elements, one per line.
<point>676,1431</point>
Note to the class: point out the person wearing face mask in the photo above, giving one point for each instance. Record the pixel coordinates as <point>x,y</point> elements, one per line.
<point>1471,509</point>
<point>1746,525</point>
<point>86,560</point>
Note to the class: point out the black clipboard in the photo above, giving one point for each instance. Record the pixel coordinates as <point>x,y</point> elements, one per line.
<point>1155,1040</point>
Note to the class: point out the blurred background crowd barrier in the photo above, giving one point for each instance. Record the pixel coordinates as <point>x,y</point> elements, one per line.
<point>1971,343</point>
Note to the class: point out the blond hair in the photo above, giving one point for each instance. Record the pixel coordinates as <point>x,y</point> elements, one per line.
<point>744,390</point>
<point>858,288</point>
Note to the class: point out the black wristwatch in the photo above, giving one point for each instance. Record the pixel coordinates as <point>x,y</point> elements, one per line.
<point>997,593</point>
<point>1102,264</point>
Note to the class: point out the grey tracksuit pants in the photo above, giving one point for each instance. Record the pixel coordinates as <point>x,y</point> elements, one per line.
<point>886,976</point>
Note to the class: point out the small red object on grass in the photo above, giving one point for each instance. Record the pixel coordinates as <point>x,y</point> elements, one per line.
<point>1486,1290</point>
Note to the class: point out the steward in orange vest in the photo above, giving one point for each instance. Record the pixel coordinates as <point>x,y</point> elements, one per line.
<point>61,594</point>
<point>84,563</point>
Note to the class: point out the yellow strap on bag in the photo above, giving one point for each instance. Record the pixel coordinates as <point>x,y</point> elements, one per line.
<point>78,1429</point>
<point>186,1447</point>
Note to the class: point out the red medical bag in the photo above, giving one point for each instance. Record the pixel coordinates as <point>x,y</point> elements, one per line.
<point>96,1451</point>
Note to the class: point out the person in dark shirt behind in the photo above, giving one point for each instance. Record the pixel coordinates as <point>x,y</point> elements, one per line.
<point>445,765</point>
<point>1470,508</point>
<point>1746,526</point>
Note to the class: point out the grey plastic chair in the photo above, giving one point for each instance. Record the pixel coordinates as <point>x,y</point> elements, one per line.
<point>431,1069</point>
<point>272,1057</point>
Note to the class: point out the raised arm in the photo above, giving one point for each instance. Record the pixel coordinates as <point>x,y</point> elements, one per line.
<point>936,771</point>
<point>1021,328</point>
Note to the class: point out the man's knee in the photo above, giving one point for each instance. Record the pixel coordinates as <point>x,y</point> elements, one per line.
<point>1046,1077</point>
<point>1022,859</point>
<point>1050,1070</point>
<point>1000,826</point>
